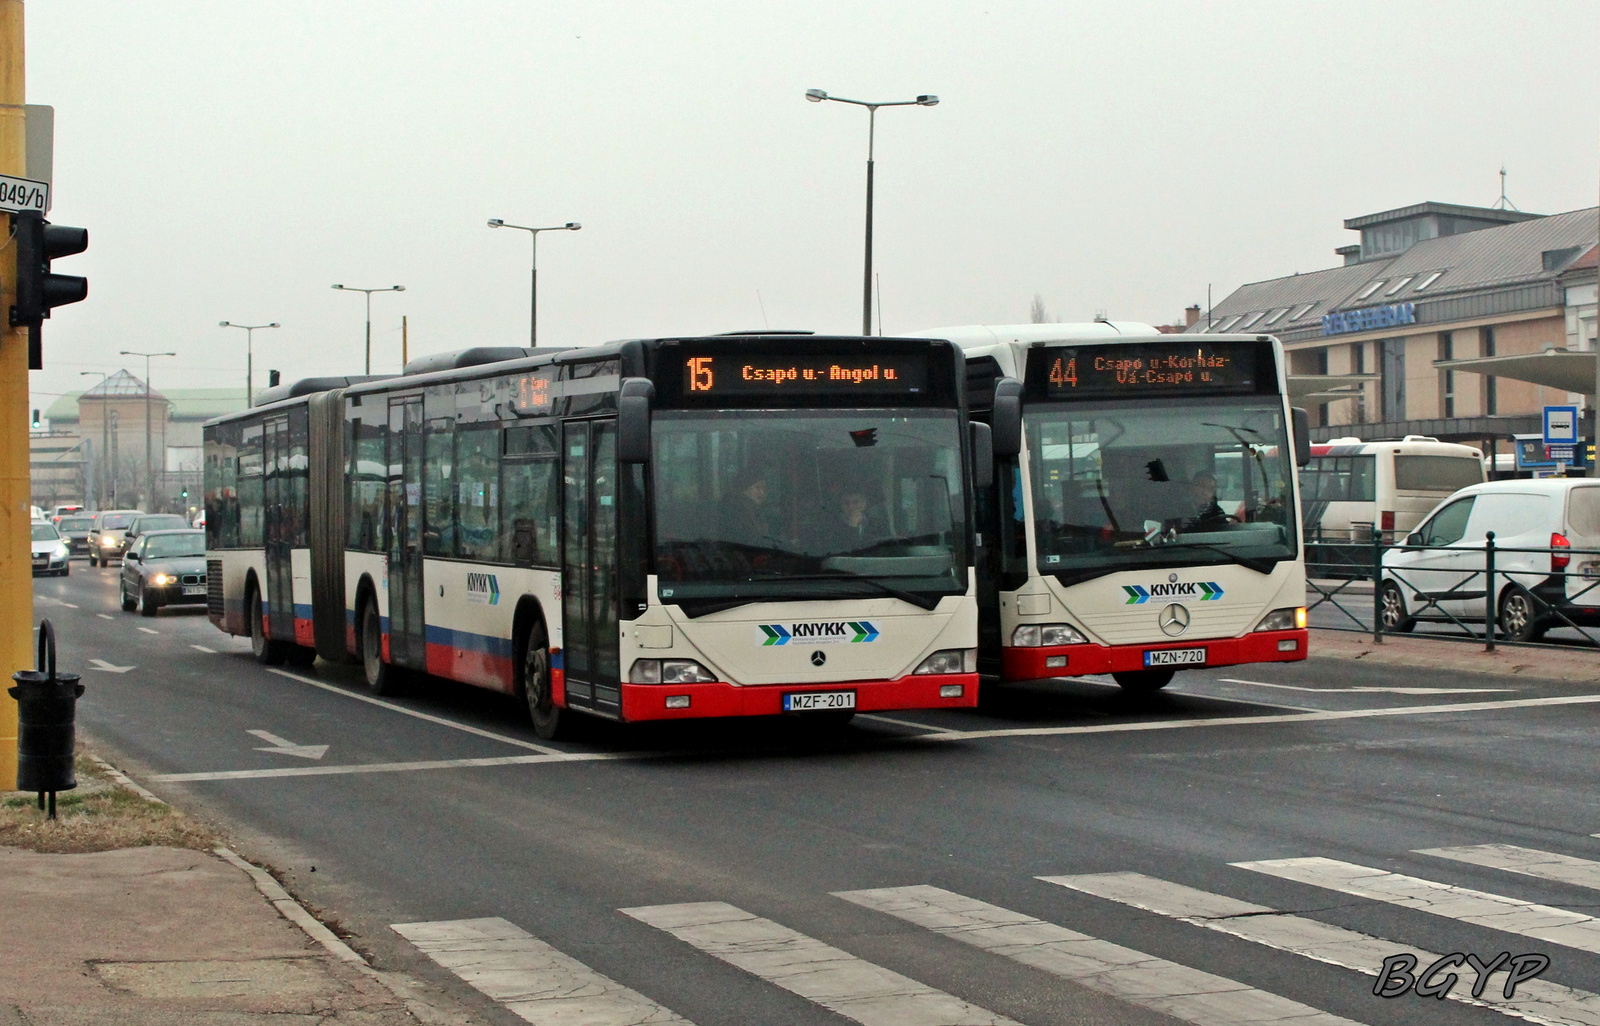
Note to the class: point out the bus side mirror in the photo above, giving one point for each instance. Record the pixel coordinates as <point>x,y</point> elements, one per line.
<point>1302,437</point>
<point>982,439</point>
<point>633,420</point>
<point>1007,417</point>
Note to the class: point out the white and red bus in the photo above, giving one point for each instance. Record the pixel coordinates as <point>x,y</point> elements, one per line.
<point>1351,487</point>
<point>653,529</point>
<point>1143,517</point>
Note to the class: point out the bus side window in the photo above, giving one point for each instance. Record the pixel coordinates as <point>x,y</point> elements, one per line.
<point>477,469</point>
<point>438,536</point>
<point>529,512</point>
<point>368,489</point>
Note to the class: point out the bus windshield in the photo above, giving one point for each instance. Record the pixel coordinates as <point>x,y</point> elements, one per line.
<point>794,504</point>
<point>1124,485</point>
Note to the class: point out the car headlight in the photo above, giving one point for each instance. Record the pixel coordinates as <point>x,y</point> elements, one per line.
<point>1288,619</point>
<point>669,671</point>
<point>1033,635</point>
<point>160,580</point>
<point>950,660</point>
<point>61,552</point>
<point>107,541</point>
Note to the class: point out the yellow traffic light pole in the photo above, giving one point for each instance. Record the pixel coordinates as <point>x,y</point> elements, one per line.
<point>16,568</point>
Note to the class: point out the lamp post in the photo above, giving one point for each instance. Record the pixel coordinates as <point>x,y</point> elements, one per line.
<point>817,96</point>
<point>105,489</point>
<point>149,462</point>
<point>533,258</point>
<point>249,355</point>
<point>369,292</point>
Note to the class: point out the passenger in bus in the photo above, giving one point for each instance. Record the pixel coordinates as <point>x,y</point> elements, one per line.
<point>751,519</point>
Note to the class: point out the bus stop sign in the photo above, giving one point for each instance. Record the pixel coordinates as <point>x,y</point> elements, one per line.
<point>1561,432</point>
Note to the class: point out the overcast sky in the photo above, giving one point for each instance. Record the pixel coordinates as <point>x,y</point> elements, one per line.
<point>232,161</point>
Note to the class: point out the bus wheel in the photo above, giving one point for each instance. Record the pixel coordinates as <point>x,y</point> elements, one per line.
<point>536,690</point>
<point>267,651</point>
<point>381,679</point>
<point>1392,608</point>
<point>1142,681</point>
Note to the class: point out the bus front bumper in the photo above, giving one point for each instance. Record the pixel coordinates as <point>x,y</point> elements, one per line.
<point>919,691</point>
<point>1079,660</point>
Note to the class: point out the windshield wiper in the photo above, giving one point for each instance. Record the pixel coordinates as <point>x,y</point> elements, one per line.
<point>1259,565</point>
<point>920,601</point>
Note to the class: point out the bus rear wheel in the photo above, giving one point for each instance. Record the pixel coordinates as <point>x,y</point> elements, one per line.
<point>381,679</point>
<point>537,688</point>
<point>1142,681</point>
<point>267,651</point>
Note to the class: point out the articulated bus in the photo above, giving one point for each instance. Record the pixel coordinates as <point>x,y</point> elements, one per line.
<point>652,529</point>
<point>1143,516</point>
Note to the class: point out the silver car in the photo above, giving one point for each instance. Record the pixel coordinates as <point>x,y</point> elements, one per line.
<point>49,551</point>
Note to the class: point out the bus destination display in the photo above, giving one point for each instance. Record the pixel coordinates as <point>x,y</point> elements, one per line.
<point>1151,368</point>
<point>774,374</point>
<point>532,395</point>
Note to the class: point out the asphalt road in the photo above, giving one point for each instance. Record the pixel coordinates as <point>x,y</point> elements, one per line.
<point>769,872</point>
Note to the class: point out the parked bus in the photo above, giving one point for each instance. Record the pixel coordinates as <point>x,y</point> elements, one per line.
<point>1351,486</point>
<point>655,529</point>
<point>1143,516</point>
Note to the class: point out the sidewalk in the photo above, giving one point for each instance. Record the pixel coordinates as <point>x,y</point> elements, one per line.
<point>1579,665</point>
<point>163,936</point>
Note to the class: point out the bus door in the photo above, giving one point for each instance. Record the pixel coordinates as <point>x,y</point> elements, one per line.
<point>407,631</point>
<point>589,565</point>
<point>278,529</point>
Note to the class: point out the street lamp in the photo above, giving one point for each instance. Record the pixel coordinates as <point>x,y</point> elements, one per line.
<point>369,292</point>
<point>533,302</point>
<point>149,464</point>
<point>106,490</point>
<point>249,355</point>
<point>817,96</point>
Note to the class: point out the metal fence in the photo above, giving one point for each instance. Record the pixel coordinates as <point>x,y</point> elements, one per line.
<point>1488,593</point>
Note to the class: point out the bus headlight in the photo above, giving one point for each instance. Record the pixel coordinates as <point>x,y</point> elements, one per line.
<point>1033,635</point>
<point>669,671</point>
<point>950,660</point>
<point>1289,619</point>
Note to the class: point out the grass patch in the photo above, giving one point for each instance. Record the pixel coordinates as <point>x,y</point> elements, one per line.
<point>99,815</point>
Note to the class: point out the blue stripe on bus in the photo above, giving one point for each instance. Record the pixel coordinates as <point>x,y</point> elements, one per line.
<point>465,641</point>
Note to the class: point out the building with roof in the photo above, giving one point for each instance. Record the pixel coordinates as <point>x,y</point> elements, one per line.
<point>1439,322</point>
<point>91,445</point>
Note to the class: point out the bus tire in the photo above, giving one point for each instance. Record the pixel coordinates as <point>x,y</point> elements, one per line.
<point>129,604</point>
<point>300,655</point>
<point>537,693</point>
<point>1519,615</point>
<point>1142,681</point>
<point>381,677</point>
<point>267,652</point>
<point>1392,609</point>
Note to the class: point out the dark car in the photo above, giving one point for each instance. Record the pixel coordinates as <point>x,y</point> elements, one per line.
<point>74,528</point>
<point>144,523</point>
<point>164,568</point>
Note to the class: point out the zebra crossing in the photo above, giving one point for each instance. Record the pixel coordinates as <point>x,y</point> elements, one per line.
<point>542,985</point>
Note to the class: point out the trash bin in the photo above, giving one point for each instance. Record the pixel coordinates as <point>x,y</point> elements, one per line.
<point>46,711</point>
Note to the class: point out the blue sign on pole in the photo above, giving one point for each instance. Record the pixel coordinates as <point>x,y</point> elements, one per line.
<point>1560,425</point>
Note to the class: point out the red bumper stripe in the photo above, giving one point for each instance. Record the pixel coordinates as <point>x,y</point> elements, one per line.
<point>921,691</point>
<point>1259,647</point>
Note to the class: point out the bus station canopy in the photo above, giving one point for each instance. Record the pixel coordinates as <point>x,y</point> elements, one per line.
<point>1327,387</point>
<point>1553,368</point>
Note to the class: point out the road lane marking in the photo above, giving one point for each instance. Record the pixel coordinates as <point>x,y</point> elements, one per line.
<point>1369,690</point>
<point>281,747</point>
<point>202,648</point>
<point>1480,908</point>
<point>69,605</point>
<point>1546,865</point>
<point>531,978</point>
<point>1237,721</point>
<point>1111,969</point>
<point>1538,1000</point>
<point>898,723</point>
<point>400,767</point>
<point>836,980</point>
<point>101,664</point>
<point>426,717</point>
<point>105,616</point>
<point>147,630</point>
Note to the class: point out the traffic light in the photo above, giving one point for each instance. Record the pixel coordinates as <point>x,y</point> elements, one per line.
<point>38,242</point>
<point>37,423</point>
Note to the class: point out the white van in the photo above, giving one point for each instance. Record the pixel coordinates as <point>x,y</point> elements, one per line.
<point>1351,486</point>
<point>1547,516</point>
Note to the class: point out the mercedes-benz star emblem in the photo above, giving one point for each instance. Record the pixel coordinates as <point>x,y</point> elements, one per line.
<point>819,657</point>
<point>1174,620</point>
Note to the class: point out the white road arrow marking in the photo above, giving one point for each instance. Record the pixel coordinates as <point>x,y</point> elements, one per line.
<point>101,664</point>
<point>282,747</point>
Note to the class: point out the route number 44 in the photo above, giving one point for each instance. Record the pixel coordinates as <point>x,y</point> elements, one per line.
<point>1064,372</point>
